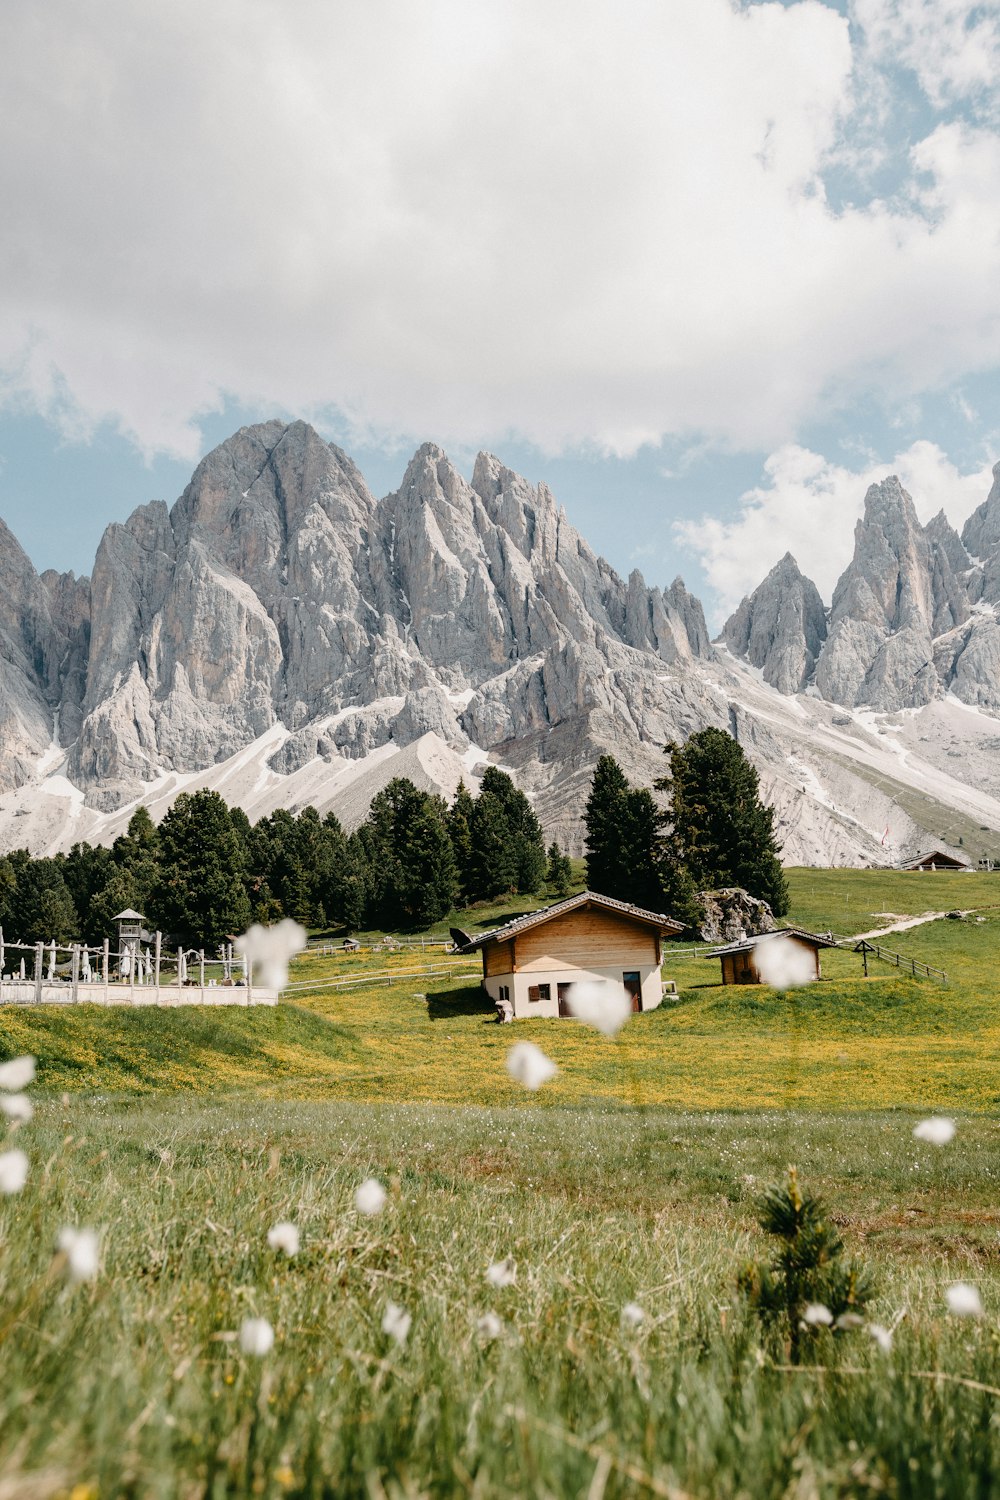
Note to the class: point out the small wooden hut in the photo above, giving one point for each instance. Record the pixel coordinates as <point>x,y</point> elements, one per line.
<point>739,962</point>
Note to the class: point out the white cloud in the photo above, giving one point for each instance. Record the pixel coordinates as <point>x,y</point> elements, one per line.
<point>809,506</point>
<point>953,46</point>
<point>571,222</point>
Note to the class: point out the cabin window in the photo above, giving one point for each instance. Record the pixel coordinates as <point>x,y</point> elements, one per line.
<point>538,992</point>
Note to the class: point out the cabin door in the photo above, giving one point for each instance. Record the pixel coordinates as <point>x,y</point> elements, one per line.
<point>564,1006</point>
<point>633,988</point>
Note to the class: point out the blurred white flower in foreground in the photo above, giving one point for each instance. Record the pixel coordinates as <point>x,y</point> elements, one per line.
<point>882,1337</point>
<point>632,1314</point>
<point>256,1337</point>
<point>502,1272</point>
<point>396,1322</point>
<point>489,1326</point>
<point>17,1107</point>
<point>528,1064</point>
<point>80,1247</point>
<point>17,1074</point>
<point>606,1007</point>
<point>269,951</point>
<point>284,1236</point>
<point>937,1130</point>
<point>817,1315</point>
<point>370,1197</point>
<point>783,964</point>
<point>13,1171</point>
<point>849,1320</point>
<point>964,1300</point>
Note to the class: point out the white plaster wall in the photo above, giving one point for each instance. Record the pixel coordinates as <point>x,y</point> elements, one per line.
<point>525,1009</point>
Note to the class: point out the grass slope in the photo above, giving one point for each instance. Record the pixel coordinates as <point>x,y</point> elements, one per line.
<point>845,1043</point>
<point>134,1384</point>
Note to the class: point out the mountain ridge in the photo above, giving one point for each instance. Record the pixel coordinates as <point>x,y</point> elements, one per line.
<point>279,616</point>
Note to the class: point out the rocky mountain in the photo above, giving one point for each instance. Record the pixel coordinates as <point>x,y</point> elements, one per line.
<point>281,634</point>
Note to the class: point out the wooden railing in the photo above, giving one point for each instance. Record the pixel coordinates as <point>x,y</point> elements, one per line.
<point>913,966</point>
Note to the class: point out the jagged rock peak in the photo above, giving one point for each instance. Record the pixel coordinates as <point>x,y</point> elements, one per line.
<point>942,534</point>
<point>981,532</point>
<point>780,628</point>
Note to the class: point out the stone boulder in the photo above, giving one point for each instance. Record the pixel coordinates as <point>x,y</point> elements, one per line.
<point>731,914</point>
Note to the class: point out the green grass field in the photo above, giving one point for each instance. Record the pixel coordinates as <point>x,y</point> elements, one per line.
<point>183,1136</point>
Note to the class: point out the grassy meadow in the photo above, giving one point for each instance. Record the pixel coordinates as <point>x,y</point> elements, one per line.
<point>183,1136</point>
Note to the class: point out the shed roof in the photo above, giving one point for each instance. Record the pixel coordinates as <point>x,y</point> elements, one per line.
<point>935,856</point>
<point>744,945</point>
<point>659,920</point>
<point>128,915</point>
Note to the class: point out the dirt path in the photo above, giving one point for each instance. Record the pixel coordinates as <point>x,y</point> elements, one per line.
<point>902,924</point>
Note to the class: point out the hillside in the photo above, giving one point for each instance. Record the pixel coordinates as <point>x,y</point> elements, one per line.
<point>848,1042</point>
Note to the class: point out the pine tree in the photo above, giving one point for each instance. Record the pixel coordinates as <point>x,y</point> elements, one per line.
<point>560,871</point>
<point>199,896</point>
<point>461,815</point>
<point>493,867</point>
<point>605,818</point>
<point>409,857</point>
<point>808,1269</point>
<point>38,905</point>
<point>524,832</point>
<point>715,823</point>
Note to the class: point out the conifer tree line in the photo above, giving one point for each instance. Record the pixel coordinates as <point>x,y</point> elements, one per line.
<point>706,829</point>
<point>206,872</point>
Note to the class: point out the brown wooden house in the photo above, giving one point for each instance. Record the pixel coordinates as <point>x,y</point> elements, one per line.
<point>533,962</point>
<point>739,964</point>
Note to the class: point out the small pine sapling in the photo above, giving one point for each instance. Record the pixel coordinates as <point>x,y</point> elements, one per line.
<point>807,1285</point>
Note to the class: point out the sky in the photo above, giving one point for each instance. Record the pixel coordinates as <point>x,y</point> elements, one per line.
<point>708,270</point>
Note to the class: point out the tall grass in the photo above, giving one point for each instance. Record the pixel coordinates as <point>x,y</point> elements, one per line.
<point>133,1384</point>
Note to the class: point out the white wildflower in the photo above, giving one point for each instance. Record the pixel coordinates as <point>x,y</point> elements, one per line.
<point>605,1006</point>
<point>528,1064</point>
<point>502,1272</point>
<point>80,1247</point>
<point>937,1130</point>
<point>489,1326</point>
<point>256,1337</point>
<point>17,1074</point>
<point>370,1197</point>
<point>13,1171</point>
<point>269,950</point>
<point>783,964</point>
<point>817,1315</point>
<point>849,1320</point>
<point>633,1314</point>
<point>882,1337</point>
<point>17,1107</point>
<point>284,1236</point>
<point>396,1322</point>
<point>964,1300</point>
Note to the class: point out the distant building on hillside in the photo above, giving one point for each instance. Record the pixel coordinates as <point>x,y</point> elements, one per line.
<point>740,963</point>
<point>936,859</point>
<point>533,962</point>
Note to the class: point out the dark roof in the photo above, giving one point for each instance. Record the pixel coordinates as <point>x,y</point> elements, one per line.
<point>934,856</point>
<point>657,919</point>
<point>744,945</point>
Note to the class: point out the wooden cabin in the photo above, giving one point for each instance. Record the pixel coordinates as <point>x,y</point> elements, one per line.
<point>937,859</point>
<point>739,965</point>
<point>533,962</point>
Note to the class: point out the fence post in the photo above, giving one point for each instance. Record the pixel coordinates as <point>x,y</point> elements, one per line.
<point>157,966</point>
<point>39,948</point>
<point>107,967</point>
<point>76,972</point>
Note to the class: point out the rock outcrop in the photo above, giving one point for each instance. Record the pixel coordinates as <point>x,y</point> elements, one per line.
<point>732,914</point>
<point>780,628</point>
